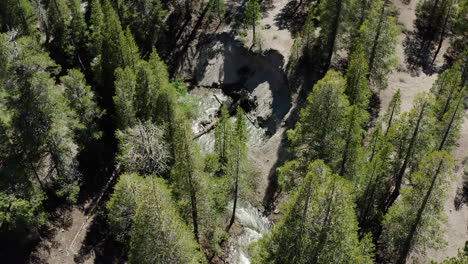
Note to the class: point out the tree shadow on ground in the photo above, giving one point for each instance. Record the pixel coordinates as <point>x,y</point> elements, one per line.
<point>292,17</point>
<point>303,75</point>
<point>100,243</point>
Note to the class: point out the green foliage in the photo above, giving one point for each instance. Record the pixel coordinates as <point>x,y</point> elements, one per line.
<point>18,15</point>
<point>118,47</point>
<point>448,108</point>
<point>351,153</point>
<point>142,213</point>
<point>333,27</point>
<point>39,128</point>
<point>82,100</point>
<point>378,36</point>
<point>96,29</point>
<point>319,225</point>
<point>461,258</point>
<point>145,18</point>
<point>217,8</point>
<point>186,172</point>
<point>414,221</point>
<point>318,134</point>
<point>357,87</point>
<point>223,136</point>
<point>252,15</point>
<point>125,85</point>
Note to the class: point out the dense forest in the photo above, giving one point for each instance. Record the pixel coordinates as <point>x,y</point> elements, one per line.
<point>234,131</point>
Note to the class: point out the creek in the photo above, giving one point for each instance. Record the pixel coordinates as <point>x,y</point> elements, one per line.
<point>254,225</point>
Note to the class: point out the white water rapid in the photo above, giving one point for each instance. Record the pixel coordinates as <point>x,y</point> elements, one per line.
<point>254,226</point>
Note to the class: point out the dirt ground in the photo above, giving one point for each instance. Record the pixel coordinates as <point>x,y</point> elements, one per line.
<point>67,238</point>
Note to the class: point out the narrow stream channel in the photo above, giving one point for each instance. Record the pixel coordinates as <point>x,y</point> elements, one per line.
<point>254,224</point>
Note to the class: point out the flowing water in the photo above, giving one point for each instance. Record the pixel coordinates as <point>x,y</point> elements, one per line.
<point>206,108</point>
<point>254,224</point>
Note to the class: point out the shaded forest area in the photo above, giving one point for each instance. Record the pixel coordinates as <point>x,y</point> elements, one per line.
<point>305,156</point>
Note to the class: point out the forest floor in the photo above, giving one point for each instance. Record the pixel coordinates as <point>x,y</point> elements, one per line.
<point>68,237</point>
<point>67,233</point>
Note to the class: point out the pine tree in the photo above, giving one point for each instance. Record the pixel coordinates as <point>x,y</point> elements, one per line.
<point>378,36</point>
<point>252,15</point>
<point>145,19</point>
<point>96,29</point>
<point>318,134</point>
<point>351,154</point>
<point>333,23</point>
<point>414,220</point>
<point>412,139</point>
<point>118,49</point>
<point>18,15</point>
<point>433,18</point>
<point>186,172</point>
<point>361,10</point>
<point>82,100</point>
<point>217,8</point>
<point>459,39</point>
<point>125,83</point>
<point>319,225</point>
<point>223,135</point>
<point>39,132</point>
<point>357,88</point>
<point>448,108</point>
<point>393,111</point>
<point>236,163</point>
<point>143,215</point>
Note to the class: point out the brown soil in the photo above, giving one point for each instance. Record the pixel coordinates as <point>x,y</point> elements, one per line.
<point>66,240</point>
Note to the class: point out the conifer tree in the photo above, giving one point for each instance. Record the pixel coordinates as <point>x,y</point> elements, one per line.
<point>96,29</point>
<point>125,84</point>
<point>186,171</point>
<point>393,111</point>
<point>378,36</point>
<point>143,215</point>
<point>223,136</point>
<point>459,39</point>
<point>236,164</point>
<point>145,19</point>
<point>414,220</point>
<point>217,8</point>
<point>351,154</point>
<point>319,225</point>
<point>412,139</point>
<point>361,9</point>
<point>448,107</point>
<point>39,126</point>
<point>433,18</point>
<point>118,49</point>
<point>333,23</point>
<point>357,88</point>
<point>82,100</point>
<point>252,15</point>
<point>318,134</point>
<point>19,15</point>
